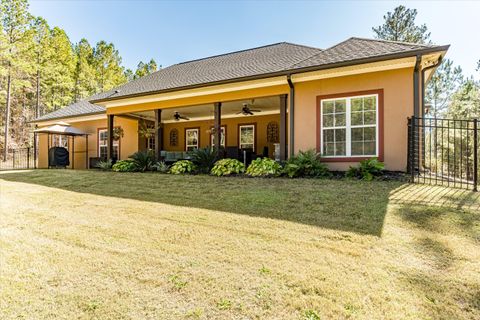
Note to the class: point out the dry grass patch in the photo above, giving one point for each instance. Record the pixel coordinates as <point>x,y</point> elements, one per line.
<point>86,244</point>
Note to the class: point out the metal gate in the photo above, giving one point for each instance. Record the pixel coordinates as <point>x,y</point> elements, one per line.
<point>21,158</point>
<point>444,152</point>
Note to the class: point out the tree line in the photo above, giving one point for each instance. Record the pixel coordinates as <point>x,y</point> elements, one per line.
<point>447,152</point>
<point>449,93</point>
<point>41,70</point>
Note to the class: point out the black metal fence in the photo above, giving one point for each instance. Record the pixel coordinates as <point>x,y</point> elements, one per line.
<point>21,158</point>
<point>444,152</point>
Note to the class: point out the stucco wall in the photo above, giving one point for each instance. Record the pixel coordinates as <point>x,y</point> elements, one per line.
<point>398,106</point>
<point>128,143</point>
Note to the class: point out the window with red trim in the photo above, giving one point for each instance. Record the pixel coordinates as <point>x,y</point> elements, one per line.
<point>349,126</point>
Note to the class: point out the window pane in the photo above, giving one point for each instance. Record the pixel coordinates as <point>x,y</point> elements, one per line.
<point>192,138</point>
<point>357,134</point>
<point>369,103</point>
<point>247,137</point>
<point>340,120</point>
<point>340,106</point>
<point>329,149</point>
<point>356,119</point>
<point>103,152</point>
<point>340,148</point>
<point>328,120</point>
<point>357,148</point>
<point>369,117</point>
<point>327,107</point>
<point>328,135</point>
<point>370,148</point>
<point>369,134</point>
<point>357,104</point>
<point>340,135</point>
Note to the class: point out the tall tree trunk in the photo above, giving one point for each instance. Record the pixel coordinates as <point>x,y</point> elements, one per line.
<point>7,117</point>
<point>37,104</point>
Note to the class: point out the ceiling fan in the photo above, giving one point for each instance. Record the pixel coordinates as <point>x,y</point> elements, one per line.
<point>177,116</point>
<point>247,111</point>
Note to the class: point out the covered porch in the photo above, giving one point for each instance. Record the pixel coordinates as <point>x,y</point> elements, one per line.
<point>242,129</point>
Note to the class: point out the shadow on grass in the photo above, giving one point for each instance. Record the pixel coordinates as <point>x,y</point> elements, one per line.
<point>437,209</point>
<point>346,205</point>
<point>444,299</point>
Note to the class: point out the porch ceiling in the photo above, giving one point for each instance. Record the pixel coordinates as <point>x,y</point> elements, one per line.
<point>266,105</point>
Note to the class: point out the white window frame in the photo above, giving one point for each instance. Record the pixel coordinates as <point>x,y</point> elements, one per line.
<point>240,135</point>
<point>348,127</point>
<point>223,129</point>
<point>186,139</point>
<point>104,143</point>
<point>151,143</point>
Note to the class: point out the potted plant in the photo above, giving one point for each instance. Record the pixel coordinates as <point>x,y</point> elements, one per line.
<point>117,133</point>
<point>146,130</point>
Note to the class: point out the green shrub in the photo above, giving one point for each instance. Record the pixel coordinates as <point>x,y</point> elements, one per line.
<point>264,167</point>
<point>105,165</point>
<point>226,167</point>
<point>204,158</point>
<point>143,160</point>
<point>161,167</point>
<point>367,169</point>
<point>183,167</point>
<point>306,164</point>
<point>124,166</point>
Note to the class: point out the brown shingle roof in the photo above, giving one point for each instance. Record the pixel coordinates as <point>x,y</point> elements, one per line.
<point>246,63</point>
<point>275,59</point>
<point>83,107</point>
<point>359,48</point>
<point>262,61</point>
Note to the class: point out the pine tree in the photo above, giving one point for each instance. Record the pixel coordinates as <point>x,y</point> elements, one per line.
<point>442,85</point>
<point>43,53</point>
<point>107,62</point>
<point>465,102</point>
<point>144,69</point>
<point>84,76</point>
<point>400,25</point>
<point>15,21</point>
<point>60,81</point>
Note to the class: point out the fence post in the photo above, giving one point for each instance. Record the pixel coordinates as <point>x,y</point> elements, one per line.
<point>412,148</point>
<point>475,154</point>
<point>13,158</point>
<point>28,158</point>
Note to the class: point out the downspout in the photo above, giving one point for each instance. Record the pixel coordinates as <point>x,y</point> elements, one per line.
<point>416,73</point>
<point>436,64</point>
<point>291,115</point>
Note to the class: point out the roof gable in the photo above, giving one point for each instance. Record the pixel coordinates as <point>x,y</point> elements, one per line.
<point>359,48</point>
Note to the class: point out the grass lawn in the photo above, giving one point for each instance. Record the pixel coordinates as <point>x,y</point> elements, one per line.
<point>103,245</point>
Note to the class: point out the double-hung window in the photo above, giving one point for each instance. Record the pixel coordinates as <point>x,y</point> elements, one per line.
<point>103,145</point>
<point>191,139</point>
<point>151,143</point>
<point>349,126</point>
<point>247,136</point>
<point>222,136</point>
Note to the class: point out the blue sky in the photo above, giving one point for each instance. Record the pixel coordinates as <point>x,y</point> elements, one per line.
<point>172,32</point>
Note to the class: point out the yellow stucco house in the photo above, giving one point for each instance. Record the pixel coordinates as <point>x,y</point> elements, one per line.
<point>349,102</point>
